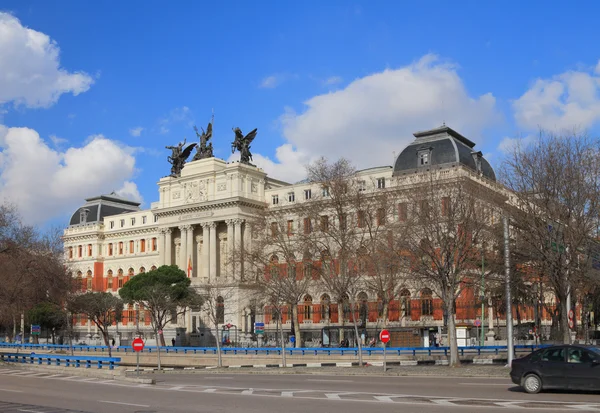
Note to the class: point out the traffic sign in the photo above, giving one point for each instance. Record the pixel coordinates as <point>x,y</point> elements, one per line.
<point>571,314</point>
<point>35,329</point>
<point>259,328</point>
<point>384,336</point>
<point>137,344</point>
<point>477,323</point>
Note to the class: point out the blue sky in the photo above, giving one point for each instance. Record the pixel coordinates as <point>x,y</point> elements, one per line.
<point>332,78</point>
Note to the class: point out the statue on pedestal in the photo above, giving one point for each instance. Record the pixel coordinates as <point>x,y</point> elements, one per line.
<point>242,144</point>
<point>179,157</point>
<point>205,149</point>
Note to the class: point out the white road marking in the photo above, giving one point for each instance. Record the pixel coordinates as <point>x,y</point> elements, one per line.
<point>249,391</point>
<point>125,404</point>
<point>287,394</point>
<point>330,381</point>
<point>333,396</point>
<point>29,411</point>
<point>209,390</point>
<point>585,407</point>
<point>486,384</point>
<point>13,391</point>
<point>387,399</point>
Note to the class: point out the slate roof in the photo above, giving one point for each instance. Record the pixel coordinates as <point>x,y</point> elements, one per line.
<point>101,206</point>
<point>446,148</point>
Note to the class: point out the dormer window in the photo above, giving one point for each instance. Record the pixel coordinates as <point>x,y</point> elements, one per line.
<point>83,214</point>
<point>477,158</point>
<point>424,157</point>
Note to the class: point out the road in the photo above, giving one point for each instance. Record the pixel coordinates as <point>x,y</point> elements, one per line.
<point>37,392</point>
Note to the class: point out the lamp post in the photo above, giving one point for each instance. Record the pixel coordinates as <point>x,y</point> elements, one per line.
<point>482,297</point>
<point>137,320</point>
<point>509,326</point>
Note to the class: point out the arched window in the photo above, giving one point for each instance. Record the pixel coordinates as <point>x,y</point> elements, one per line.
<point>345,301</point>
<point>220,310</point>
<point>274,266</point>
<point>89,280</point>
<point>363,307</point>
<point>79,280</point>
<point>307,307</point>
<point>326,262</point>
<point>307,267</point>
<point>109,284</point>
<point>131,272</point>
<point>120,278</point>
<point>291,268</point>
<point>325,303</point>
<point>426,302</point>
<point>153,268</point>
<point>405,303</point>
<point>142,270</point>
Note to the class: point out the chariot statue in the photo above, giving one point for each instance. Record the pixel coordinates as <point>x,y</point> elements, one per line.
<point>242,144</point>
<point>179,157</point>
<point>205,148</point>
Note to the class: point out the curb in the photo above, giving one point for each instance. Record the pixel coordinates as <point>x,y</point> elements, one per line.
<point>401,363</point>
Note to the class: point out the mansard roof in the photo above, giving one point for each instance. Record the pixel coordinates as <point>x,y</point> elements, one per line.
<point>441,148</point>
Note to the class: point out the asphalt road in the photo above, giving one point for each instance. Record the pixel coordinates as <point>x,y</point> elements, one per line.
<point>40,392</point>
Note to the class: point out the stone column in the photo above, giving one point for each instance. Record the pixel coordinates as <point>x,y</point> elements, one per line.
<point>212,226</point>
<point>205,246</point>
<point>168,246</point>
<point>245,272</point>
<point>160,246</point>
<point>196,257</point>
<point>184,247</point>
<point>190,249</point>
<point>230,248</point>
<point>239,247</point>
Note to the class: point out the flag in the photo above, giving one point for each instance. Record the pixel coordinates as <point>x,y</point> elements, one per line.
<point>189,268</point>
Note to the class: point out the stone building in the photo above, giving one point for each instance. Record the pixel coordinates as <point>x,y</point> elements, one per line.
<point>201,218</point>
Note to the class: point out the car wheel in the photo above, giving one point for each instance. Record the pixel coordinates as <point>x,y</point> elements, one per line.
<point>532,383</point>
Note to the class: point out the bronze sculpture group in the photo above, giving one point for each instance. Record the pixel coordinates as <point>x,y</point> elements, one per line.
<point>204,149</point>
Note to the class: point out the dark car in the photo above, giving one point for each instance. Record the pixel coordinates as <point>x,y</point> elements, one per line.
<point>560,367</point>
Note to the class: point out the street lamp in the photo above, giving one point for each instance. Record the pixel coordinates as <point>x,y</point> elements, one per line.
<point>137,320</point>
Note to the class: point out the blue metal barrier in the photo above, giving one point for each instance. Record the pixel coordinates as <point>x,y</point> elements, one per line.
<point>290,351</point>
<point>68,361</point>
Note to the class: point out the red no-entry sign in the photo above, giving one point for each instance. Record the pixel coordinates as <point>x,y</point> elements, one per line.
<point>384,336</point>
<point>137,344</point>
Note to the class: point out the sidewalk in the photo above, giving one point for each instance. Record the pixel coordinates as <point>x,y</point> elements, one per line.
<point>467,370</point>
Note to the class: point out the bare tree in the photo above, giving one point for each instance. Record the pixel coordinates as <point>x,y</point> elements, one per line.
<point>217,297</point>
<point>102,308</point>
<point>340,215</point>
<point>446,223</point>
<point>275,259</point>
<point>556,197</point>
<point>31,267</point>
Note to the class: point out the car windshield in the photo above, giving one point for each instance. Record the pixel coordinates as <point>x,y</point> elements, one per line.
<point>594,349</point>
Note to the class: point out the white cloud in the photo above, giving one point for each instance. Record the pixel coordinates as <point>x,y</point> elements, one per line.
<point>46,183</point>
<point>30,72</point>
<point>270,82</point>
<point>136,131</point>
<point>507,144</point>
<point>376,115</point>
<point>56,141</point>
<point>177,115</point>
<point>290,165</point>
<point>130,191</point>
<point>566,101</point>
<point>333,80</point>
